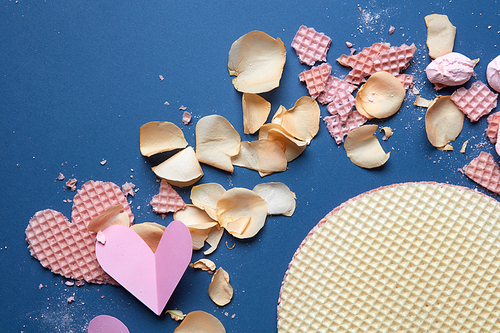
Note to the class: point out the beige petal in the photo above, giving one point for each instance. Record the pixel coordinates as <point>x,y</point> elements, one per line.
<point>199,236</point>
<point>278,116</point>
<point>182,169</point>
<point>279,198</point>
<point>112,215</point>
<point>219,290</point>
<point>150,232</point>
<point>160,136</point>
<point>255,112</point>
<point>262,155</point>
<point>192,215</point>
<point>204,264</point>
<point>257,60</point>
<point>363,147</point>
<point>275,132</point>
<point>381,96</point>
<point>422,102</point>
<point>302,120</point>
<point>216,142</point>
<point>239,203</point>
<point>443,121</point>
<point>205,196</point>
<point>440,35</point>
<point>387,132</point>
<point>176,314</point>
<point>200,322</point>
<point>213,239</point>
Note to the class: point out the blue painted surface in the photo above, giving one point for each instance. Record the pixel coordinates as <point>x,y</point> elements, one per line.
<point>78,79</point>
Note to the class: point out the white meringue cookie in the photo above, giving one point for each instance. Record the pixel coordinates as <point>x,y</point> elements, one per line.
<point>452,69</point>
<point>493,74</point>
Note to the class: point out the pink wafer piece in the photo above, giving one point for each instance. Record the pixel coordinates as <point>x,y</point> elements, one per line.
<point>340,127</point>
<point>493,127</point>
<point>94,198</point>
<point>476,101</point>
<point>168,200</point>
<point>341,104</point>
<point>65,248</point>
<point>315,78</point>
<point>406,80</point>
<point>334,87</point>
<point>310,46</point>
<point>484,171</point>
<point>394,59</point>
<point>362,63</point>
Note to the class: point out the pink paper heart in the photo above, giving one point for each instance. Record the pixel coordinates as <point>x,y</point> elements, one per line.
<point>150,277</point>
<point>107,324</point>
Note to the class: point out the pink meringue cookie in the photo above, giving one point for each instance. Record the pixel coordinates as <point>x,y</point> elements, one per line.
<point>493,73</point>
<point>452,69</point>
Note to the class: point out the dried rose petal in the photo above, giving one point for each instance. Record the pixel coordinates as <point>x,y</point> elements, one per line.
<point>443,121</point>
<point>440,35</point>
<point>160,136</point>
<point>182,169</point>
<point>200,321</point>
<point>279,198</point>
<point>219,290</point>
<point>255,112</point>
<point>363,147</point>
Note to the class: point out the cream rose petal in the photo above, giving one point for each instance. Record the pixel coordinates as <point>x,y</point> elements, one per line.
<point>200,322</point>
<point>112,215</point>
<point>275,132</point>
<point>204,265</point>
<point>363,147</point>
<point>219,290</point>
<point>262,155</point>
<point>214,237</point>
<point>239,203</point>
<point>257,60</point>
<point>443,121</point>
<point>182,169</point>
<point>381,96</point>
<point>255,112</point>
<point>440,35</point>
<point>192,215</point>
<point>279,198</point>
<point>302,120</point>
<point>205,196</point>
<point>160,136</point>
<point>150,232</point>
<point>216,142</point>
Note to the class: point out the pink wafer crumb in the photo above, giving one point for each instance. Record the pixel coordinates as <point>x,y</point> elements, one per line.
<point>168,200</point>
<point>60,177</point>
<point>315,78</point>
<point>128,189</point>
<point>71,299</point>
<point>476,101</point>
<point>341,126</point>
<point>406,80</point>
<point>493,127</point>
<point>310,46</point>
<point>71,183</point>
<point>186,118</point>
<point>484,171</point>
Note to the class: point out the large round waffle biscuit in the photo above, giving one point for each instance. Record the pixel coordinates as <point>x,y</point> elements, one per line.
<point>417,257</point>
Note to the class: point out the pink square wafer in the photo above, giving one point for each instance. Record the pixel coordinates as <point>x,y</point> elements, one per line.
<point>476,101</point>
<point>168,200</point>
<point>334,87</point>
<point>310,46</point>
<point>315,78</point>
<point>65,248</point>
<point>341,104</point>
<point>341,126</point>
<point>394,59</point>
<point>493,127</point>
<point>485,171</point>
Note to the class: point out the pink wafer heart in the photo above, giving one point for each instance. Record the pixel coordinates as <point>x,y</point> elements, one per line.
<point>65,248</point>
<point>150,277</point>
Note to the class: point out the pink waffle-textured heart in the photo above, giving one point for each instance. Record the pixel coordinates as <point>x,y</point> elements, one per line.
<point>168,200</point>
<point>315,78</point>
<point>405,79</point>
<point>310,46</point>
<point>476,101</point>
<point>394,59</point>
<point>341,126</point>
<point>94,198</point>
<point>333,88</point>
<point>484,171</point>
<point>493,127</point>
<point>65,248</point>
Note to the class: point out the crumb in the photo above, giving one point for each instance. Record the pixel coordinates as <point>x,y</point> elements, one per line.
<point>69,283</point>
<point>71,183</point>
<point>80,283</point>
<point>166,103</point>
<point>226,314</point>
<point>391,30</point>
<point>60,177</point>
<point>128,189</point>
<point>234,315</point>
<point>40,286</point>
<point>103,162</point>
<point>186,118</point>
<point>161,77</point>
<point>182,108</point>
<point>348,44</point>
<point>71,299</point>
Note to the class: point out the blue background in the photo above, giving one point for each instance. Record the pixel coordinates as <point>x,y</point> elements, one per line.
<point>78,79</point>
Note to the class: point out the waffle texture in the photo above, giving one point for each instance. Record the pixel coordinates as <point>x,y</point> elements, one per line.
<point>493,126</point>
<point>335,88</point>
<point>316,78</point>
<point>394,59</point>
<point>339,126</point>
<point>310,46</point>
<point>65,248</point>
<point>168,200</point>
<point>417,257</point>
<point>485,171</point>
<point>94,198</point>
<point>476,101</point>
<point>362,63</point>
<point>405,79</point>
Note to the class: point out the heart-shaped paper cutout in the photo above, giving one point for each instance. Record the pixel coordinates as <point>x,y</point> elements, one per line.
<point>107,324</point>
<point>65,248</point>
<point>150,277</point>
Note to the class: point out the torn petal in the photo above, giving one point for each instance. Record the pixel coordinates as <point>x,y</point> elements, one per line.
<point>182,169</point>
<point>255,112</point>
<point>219,290</point>
<point>279,198</point>
<point>363,147</point>
<point>160,136</point>
<point>200,321</point>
